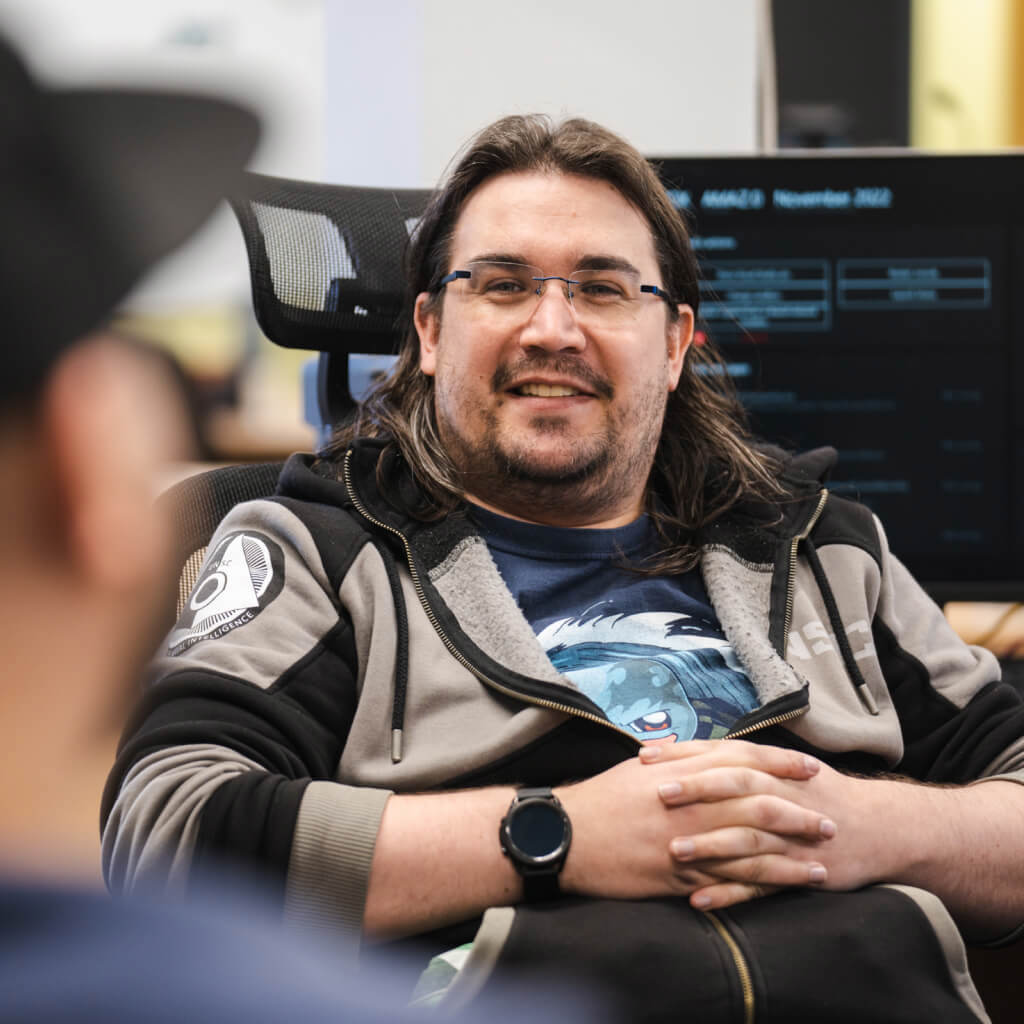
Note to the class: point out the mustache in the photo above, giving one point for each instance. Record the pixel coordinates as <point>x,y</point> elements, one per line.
<point>561,366</point>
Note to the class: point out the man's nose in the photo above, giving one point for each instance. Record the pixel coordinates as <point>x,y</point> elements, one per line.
<point>553,324</point>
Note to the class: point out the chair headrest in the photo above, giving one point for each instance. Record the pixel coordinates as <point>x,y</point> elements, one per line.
<point>325,261</point>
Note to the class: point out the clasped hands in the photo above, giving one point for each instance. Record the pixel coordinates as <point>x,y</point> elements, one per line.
<point>718,821</point>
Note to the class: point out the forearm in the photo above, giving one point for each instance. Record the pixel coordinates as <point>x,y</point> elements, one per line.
<point>965,844</point>
<point>438,860</point>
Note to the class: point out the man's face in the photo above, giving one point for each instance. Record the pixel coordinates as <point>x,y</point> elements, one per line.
<point>552,416</point>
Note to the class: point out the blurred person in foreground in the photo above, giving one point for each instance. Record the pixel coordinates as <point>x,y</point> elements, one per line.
<point>547,638</point>
<point>95,186</point>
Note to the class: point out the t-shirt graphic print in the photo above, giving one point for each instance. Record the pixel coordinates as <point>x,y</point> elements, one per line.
<point>649,651</point>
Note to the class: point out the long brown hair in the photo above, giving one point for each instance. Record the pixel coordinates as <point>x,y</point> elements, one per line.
<point>705,462</point>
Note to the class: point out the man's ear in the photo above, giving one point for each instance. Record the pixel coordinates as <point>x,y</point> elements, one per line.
<point>680,337</point>
<point>427,318</point>
<point>98,415</point>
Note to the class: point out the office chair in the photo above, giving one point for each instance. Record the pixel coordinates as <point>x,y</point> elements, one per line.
<point>325,262</point>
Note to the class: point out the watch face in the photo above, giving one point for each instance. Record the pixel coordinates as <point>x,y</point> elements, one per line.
<point>537,829</point>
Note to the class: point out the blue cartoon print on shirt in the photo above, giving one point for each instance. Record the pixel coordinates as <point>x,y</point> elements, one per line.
<point>660,675</point>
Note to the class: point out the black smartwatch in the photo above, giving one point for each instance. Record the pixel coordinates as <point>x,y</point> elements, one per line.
<point>535,835</point>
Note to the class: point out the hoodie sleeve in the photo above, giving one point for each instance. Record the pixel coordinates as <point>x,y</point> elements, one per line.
<point>234,748</point>
<point>959,722</point>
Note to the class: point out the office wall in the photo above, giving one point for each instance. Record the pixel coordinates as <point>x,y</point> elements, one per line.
<point>269,54</point>
<point>384,93</point>
<point>409,81</point>
<point>380,93</point>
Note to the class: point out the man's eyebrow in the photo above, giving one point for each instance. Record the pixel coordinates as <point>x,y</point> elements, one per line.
<point>602,262</point>
<point>589,261</point>
<point>499,257</point>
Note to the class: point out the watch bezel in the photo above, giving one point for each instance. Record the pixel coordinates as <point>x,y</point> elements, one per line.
<point>529,863</point>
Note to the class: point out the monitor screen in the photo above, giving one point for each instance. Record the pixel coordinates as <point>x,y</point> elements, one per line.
<point>875,302</point>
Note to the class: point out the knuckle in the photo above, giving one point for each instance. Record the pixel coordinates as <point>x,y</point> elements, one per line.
<point>697,786</point>
<point>755,870</point>
<point>767,812</point>
<point>756,840</point>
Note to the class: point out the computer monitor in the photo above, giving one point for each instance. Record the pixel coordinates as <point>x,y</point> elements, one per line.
<point>874,301</point>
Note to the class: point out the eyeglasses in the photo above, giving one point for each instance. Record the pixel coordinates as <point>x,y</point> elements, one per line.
<point>512,291</point>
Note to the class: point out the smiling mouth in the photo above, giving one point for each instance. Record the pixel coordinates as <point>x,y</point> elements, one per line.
<point>535,390</point>
<point>546,376</point>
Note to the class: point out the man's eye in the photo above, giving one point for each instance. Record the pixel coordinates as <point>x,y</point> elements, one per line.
<point>601,291</point>
<point>503,286</point>
<point>654,722</point>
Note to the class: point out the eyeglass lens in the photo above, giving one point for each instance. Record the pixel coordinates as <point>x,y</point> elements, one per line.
<point>516,288</point>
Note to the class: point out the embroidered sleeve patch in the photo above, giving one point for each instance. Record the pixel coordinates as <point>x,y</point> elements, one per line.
<point>244,574</point>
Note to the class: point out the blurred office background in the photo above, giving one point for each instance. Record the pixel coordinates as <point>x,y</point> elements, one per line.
<point>385,93</point>
<point>379,94</point>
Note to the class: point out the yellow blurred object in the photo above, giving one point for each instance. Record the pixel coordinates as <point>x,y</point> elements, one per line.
<point>209,343</point>
<point>265,421</point>
<point>965,74</point>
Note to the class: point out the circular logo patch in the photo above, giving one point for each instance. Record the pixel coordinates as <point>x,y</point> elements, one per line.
<point>244,574</point>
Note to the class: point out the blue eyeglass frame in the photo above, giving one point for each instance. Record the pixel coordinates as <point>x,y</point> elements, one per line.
<point>650,289</point>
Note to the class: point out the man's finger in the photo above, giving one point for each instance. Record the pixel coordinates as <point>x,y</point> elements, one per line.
<point>728,894</point>
<point>760,812</point>
<point>700,755</point>
<point>772,869</point>
<point>748,878</point>
<point>726,844</point>
<point>717,783</point>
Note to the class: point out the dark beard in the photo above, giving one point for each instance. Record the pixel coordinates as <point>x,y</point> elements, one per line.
<point>509,481</point>
<point>583,488</point>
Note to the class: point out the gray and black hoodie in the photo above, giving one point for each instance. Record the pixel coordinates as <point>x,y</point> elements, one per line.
<point>337,649</point>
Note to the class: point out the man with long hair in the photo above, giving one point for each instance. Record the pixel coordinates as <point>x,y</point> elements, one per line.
<point>547,623</point>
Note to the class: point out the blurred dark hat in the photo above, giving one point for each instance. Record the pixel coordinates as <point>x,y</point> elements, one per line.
<point>96,185</point>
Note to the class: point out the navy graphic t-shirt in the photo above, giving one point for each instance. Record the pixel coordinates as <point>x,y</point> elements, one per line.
<point>649,651</point>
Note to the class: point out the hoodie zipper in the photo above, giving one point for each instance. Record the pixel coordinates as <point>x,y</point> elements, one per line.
<point>791,582</point>
<point>739,962</point>
<point>788,621</point>
<point>566,709</point>
<point>768,722</point>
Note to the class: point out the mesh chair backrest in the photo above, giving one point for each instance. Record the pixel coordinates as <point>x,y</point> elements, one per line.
<point>326,261</point>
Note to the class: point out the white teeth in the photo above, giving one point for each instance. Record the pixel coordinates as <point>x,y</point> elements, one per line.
<point>547,390</point>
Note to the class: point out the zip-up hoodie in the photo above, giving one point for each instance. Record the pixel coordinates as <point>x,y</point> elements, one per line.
<point>337,649</point>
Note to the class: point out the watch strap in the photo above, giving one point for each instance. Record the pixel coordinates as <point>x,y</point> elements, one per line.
<point>539,792</point>
<point>540,888</point>
<point>542,884</point>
